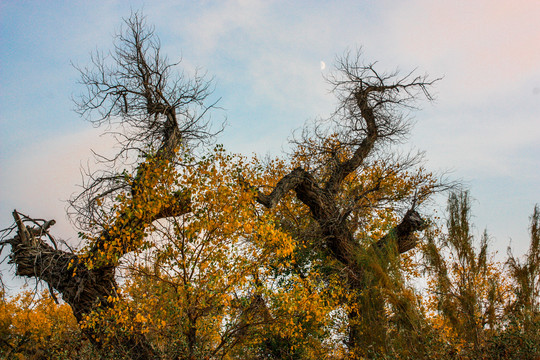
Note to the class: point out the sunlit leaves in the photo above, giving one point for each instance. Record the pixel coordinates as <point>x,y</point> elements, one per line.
<point>34,325</point>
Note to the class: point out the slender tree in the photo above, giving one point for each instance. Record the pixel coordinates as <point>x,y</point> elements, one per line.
<point>467,284</point>
<point>526,276</point>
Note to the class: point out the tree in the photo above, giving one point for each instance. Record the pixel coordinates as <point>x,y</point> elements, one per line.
<point>526,276</point>
<point>468,287</point>
<point>521,335</point>
<point>479,308</point>
<point>345,177</point>
<point>28,321</point>
<point>205,265</point>
<point>159,111</point>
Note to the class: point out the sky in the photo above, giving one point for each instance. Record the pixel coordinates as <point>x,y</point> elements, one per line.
<point>265,58</point>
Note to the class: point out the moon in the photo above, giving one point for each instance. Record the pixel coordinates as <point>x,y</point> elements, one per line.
<point>323,65</point>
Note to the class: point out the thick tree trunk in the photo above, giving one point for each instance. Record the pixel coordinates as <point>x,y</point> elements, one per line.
<point>80,288</point>
<point>83,289</point>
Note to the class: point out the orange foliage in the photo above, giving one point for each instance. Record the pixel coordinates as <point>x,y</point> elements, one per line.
<point>34,325</point>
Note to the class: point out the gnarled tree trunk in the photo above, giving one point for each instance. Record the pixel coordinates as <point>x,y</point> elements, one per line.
<point>368,102</point>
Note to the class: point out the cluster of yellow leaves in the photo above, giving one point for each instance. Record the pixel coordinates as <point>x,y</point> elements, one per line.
<point>206,266</point>
<point>34,324</point>
<point>154,193</point>
<point>122,319</point>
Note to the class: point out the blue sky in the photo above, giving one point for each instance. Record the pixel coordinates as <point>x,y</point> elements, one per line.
<point>265,57</point>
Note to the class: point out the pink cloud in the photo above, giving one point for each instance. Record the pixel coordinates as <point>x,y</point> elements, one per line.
<point>38,180</point>
<point>489,44</point>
